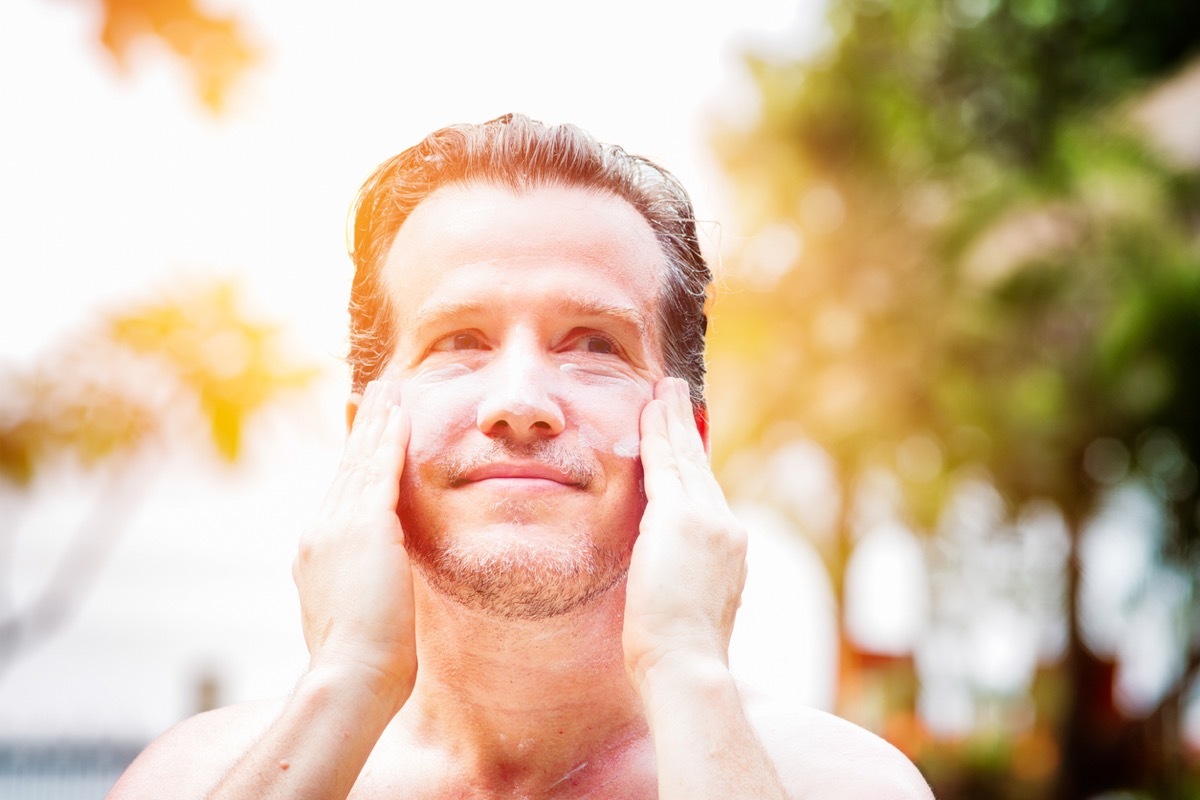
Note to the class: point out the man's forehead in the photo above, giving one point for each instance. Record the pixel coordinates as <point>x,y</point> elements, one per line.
<point>480,256</point>
<point>479,221</point>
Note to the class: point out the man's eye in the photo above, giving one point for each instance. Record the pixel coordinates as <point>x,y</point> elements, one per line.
<point>458,341</point>
<point>600,345</point>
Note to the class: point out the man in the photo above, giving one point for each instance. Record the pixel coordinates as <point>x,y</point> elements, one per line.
<point>523,580</point>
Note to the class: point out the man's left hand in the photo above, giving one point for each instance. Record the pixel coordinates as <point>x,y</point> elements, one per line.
<point>688,565</point>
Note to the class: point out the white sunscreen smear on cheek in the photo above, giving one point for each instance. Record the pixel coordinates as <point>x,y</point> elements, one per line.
<point>439,414</point>
<point>595,375</point>
<point>590,437</point>
<point>628,446</point>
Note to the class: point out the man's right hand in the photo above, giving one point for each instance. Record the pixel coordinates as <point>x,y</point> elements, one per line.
<point>352,570</point>
<point>356,599</point>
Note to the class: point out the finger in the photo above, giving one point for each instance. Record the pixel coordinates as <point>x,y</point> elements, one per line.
<point>370,419</point>
<point>684,437</point>
<point>366,434</point>
<point>382,480</point>
<point>659,467</point>
<point>682,420</point>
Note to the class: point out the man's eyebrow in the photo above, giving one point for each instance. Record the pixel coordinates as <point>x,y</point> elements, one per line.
<point>434,314</point>
<point>582,306</point>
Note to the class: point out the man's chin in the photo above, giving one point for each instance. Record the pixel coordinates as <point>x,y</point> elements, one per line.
<point>531,512</point>
<point>520,577</point>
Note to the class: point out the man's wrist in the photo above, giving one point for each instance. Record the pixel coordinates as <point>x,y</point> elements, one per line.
<point>359,686</point>
<point>685,677</point>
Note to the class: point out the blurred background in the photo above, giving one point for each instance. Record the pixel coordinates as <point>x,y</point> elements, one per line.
<point>954,349</point>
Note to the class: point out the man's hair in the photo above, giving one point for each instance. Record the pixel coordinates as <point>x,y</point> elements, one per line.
<point>520,154</point>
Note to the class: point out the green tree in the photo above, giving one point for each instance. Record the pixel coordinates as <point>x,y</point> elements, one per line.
<point>982,262</point>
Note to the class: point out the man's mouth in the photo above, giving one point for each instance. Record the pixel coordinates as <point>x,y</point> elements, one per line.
<point>519,474</point>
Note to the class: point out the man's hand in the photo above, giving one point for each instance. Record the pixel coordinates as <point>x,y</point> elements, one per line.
<point>356,600</point>
<point>685,584</point>
<point>689,562</point>
<point>352,571</point>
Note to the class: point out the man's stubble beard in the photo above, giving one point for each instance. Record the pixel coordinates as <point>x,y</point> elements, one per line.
<point>519,577</point>
<point>521,580</point>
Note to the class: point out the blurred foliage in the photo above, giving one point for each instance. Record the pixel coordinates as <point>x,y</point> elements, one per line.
<point>215,49</point>
<point>187,371</point>
<point>114,400</point>
<point>967,255</point>
<point>233,365</point>
<point>161,370</point>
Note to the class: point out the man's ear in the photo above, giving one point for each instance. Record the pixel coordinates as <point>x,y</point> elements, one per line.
<point>700,413</point>
<point>352,404</point>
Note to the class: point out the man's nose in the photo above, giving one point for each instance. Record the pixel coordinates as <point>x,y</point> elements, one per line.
<point>520,399</point>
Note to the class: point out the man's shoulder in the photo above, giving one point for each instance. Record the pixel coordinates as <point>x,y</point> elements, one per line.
<point>818,754</point>
<point>196,752</point>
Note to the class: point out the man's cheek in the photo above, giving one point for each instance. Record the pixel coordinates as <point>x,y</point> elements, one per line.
<point>621,438</point>
<point>437,420</point>
<point>611,422</point>
<point>612,431</point>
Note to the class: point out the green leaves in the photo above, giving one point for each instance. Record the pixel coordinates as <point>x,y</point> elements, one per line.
<point>1025,254</point>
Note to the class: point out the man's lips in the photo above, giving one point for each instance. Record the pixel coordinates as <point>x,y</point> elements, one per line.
<point>517,471</point>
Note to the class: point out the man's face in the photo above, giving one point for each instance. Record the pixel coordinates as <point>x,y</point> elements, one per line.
<point>527,345</point>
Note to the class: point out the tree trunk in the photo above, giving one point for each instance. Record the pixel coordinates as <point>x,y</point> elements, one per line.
<point>1097,753</point>
<point>78,567</point>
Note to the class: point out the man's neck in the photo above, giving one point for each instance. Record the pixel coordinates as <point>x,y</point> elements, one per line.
<point>523,702</point>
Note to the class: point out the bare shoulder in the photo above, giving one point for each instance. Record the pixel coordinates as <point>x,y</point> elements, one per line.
<point>820,755</point>
<point>191,757</point>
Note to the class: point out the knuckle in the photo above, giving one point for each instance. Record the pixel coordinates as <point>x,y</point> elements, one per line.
<point>726,536</point>
<point>356,468</point>
<point>375,475</point>
<point>367,472</point>
<point>306,551</point>
<point>670,467</point>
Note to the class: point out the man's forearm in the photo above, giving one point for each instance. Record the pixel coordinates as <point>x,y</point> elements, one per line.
<point>317,745</point>
<point>703,742</point>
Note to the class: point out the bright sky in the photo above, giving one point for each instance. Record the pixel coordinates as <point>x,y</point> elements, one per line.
<point>112,186</point>
<point>115,187</point>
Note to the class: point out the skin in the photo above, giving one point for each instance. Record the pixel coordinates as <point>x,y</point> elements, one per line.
<point>502,596</point>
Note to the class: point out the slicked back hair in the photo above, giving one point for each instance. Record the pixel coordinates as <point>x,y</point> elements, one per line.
<point>520,154</point>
